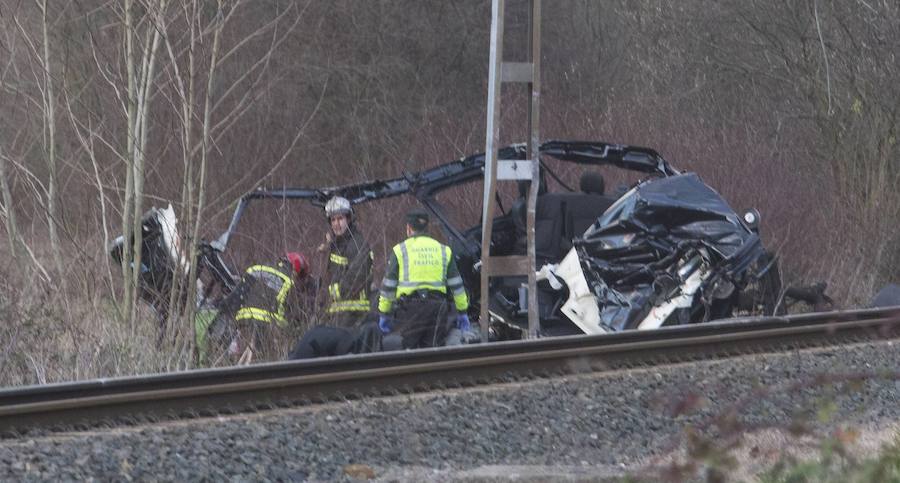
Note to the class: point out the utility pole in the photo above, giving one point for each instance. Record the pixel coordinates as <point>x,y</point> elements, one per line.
<point>513,170</point>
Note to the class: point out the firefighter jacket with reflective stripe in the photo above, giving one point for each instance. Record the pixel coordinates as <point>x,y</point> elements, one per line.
<point>263,294</point>
<point>348,274</point>
<point>421,263</point>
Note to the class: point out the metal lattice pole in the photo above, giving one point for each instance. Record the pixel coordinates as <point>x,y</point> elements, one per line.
<point>498,73</point>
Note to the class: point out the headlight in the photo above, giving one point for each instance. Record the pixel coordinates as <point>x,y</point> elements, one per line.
<point>751,218</point>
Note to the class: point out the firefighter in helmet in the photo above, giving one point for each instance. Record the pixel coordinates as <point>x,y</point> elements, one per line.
<point>252,318</point>
<point>348,274</point>
<point>420,279</point>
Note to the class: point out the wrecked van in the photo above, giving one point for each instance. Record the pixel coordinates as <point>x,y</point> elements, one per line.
<point>666,250</point>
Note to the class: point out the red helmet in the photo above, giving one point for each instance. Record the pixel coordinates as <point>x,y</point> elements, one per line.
<point>299,263</point>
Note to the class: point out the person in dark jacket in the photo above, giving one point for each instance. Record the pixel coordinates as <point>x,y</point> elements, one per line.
<point>262,306</point>
<point>348,274</point>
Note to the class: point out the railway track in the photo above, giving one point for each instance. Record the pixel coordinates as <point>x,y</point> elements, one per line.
<point>131,400</point>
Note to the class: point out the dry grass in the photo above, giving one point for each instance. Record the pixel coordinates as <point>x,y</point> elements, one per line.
<point>49,338</point>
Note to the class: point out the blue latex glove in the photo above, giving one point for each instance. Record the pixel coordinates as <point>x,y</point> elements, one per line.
<point>385,324</point>
<point>462,322</point>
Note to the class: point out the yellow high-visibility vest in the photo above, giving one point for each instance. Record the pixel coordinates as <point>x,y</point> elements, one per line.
<point>423,265</point>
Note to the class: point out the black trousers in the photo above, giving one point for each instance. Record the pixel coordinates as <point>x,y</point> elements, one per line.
<point>324,341</point>
<point>421,320</point>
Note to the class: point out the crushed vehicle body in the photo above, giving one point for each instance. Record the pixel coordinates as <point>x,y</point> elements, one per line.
<point>668,251</point>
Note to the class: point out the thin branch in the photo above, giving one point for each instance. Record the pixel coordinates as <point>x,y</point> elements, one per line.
<point>228,193</point>
<point>824,54</point>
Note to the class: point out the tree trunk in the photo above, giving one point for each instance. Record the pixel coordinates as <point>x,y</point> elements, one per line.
<point>127,230</point>
<point>8,209</point>
<point>204,152</point>
<point>50,149</point>
<point>180,284</point>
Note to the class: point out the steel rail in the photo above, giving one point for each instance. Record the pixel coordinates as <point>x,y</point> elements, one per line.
<point>227,390</point>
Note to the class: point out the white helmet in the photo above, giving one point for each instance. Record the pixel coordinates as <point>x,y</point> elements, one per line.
<point>338,206</point>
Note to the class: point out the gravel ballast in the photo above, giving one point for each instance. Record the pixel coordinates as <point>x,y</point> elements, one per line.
<point>577,426</point>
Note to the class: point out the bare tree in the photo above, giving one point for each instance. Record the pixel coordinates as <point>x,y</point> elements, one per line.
<point>49,101</point>
<point>215,120</point>
<point>140,64</point>
<point>9,212</point>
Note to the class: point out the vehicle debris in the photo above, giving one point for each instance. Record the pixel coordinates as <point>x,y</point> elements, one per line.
<point>668,251</point>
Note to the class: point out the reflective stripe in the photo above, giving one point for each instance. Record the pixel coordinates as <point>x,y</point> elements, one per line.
<point>385,304</point>
<point>444,262</point>
<point>455,281</point>
<point>423,286</point>
<point>389,283</point>
<point>390,295</point>
<point>349,306</point>
<point>335,258</point>
<point>461,301</point>
<point>352,303</point>
<point>404,262</point>
<point>286,285</point>
<point>338,305</point>
<point>253,313</point>
<point>459,291</point>
<point>430,283</point>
